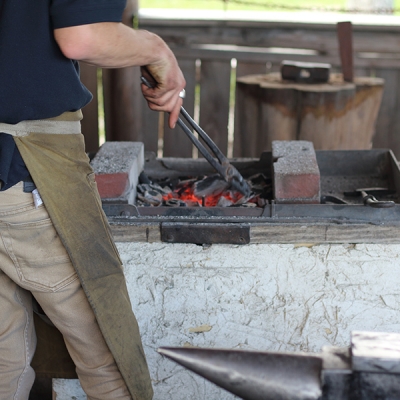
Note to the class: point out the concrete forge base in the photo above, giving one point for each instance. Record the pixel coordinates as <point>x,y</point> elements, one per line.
<point>256,297</point>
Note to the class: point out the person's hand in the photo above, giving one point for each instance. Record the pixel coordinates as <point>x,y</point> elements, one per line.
<point>167,81</point>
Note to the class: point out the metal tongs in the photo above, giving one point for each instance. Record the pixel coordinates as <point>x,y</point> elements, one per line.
<point>222,165</point>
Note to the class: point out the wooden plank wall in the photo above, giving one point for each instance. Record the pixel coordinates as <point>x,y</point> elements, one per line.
<point>205,49</point>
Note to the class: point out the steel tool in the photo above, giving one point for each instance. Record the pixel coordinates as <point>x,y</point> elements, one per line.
<point>370,200</point>
<point>332,199</point>
<point>254,375</point>
<point>368,369</point>
<point>305,72</point>
<point>221,164</point>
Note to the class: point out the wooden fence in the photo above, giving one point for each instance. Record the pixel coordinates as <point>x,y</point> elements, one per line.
<point>214,47</point>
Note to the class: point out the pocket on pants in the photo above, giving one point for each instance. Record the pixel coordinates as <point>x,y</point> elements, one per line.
<point>39,256</point>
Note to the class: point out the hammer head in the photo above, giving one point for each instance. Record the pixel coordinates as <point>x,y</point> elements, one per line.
<point>305,72</point>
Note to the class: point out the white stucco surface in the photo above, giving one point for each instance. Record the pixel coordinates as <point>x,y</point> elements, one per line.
<point>256,297</point>
<point>68,389</point>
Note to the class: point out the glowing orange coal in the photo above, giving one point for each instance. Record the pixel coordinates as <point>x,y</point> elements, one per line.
<point>185,193</point>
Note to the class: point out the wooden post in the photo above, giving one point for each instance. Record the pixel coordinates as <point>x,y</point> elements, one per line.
<point>118,85</point>
<point>335,115</point>
<point>121,88</point>
<point>113,80</point>
<point>90,122</point>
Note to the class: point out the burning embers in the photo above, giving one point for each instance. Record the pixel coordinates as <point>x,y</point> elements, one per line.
<point>204,191</point>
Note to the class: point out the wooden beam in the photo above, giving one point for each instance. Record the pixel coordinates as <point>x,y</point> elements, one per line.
<point>295,233</point>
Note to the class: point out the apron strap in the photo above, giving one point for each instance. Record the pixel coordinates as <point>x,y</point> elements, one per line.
<point>66,123</point>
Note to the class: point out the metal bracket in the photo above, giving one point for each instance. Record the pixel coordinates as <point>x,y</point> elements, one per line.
<point>197,233</point>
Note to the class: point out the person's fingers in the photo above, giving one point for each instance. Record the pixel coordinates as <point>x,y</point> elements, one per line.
<point>164,102</point>
<point>174,114</point>
<point>171,103</point>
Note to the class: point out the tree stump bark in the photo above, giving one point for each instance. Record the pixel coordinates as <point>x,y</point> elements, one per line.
<point>334,115</point>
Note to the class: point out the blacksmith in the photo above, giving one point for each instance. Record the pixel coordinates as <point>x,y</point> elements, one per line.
<point>55,243</point>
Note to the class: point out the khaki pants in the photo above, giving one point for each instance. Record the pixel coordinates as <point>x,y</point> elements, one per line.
<point>34,262</point>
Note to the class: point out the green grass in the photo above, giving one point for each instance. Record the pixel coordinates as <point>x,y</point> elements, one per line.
<point>232,5</point>
<point>264,5</point>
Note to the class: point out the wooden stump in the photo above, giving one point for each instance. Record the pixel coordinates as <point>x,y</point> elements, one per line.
<point>333,115</point>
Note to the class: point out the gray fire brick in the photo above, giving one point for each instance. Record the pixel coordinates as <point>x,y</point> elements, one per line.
<point>117,166</point>
<point>296,173</point>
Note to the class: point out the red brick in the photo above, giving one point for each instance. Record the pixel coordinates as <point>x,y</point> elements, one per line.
<point>296,173</point>
<point>112,185</point>
<point>117,166</point>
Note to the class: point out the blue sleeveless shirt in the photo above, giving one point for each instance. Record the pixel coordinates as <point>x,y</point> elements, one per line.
<point>36,80</point>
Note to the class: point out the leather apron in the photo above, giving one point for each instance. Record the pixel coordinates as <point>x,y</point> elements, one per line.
<point>65,180</point>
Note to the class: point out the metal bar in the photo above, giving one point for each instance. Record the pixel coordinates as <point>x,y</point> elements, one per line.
<point>345,37</point>
<point>197,233</point>
<point>272,213</point>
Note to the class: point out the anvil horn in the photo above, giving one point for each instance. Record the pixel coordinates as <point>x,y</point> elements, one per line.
<point>254,375</point>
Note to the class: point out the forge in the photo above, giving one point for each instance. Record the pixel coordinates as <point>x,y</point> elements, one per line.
<point>338,196</point>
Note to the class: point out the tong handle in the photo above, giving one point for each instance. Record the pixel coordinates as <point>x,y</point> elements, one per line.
<point>213,147</point>
<point>216,165</point>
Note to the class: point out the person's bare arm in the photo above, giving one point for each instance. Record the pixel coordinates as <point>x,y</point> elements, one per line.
<point>114,45</point>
